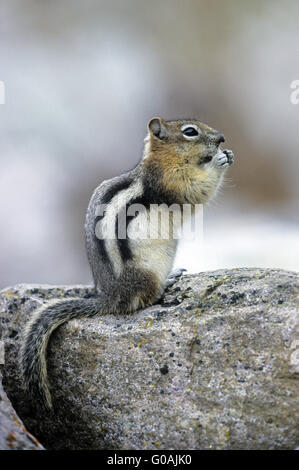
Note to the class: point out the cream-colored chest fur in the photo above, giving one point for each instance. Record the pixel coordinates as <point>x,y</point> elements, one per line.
<point>152,241</point>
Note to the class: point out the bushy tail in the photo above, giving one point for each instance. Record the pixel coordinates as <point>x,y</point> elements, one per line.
<point>37,333</point>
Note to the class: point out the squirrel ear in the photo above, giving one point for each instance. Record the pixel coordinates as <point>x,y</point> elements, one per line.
<point>157,128</point>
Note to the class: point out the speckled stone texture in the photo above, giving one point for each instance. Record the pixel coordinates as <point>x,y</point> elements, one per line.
<point>213,366</point>
<point>13,435</point>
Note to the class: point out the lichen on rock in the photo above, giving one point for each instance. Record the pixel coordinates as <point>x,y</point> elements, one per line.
<point>212,366</point>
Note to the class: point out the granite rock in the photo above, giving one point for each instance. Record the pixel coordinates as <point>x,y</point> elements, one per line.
<point>13,435</point>
<point>212,366</point>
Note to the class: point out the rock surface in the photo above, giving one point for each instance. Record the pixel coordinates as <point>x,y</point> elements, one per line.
<point>211,367</point>
<point>13,435</point>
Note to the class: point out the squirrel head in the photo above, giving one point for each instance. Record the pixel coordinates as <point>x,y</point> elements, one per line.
<point>186,141</point>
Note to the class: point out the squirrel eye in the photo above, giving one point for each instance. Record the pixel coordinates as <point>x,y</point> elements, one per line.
<point>190,132</point>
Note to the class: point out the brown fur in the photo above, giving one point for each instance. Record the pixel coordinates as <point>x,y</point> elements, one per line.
<point>181,164</point>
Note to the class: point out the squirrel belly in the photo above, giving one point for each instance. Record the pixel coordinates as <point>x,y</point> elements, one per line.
<point>182,164</point>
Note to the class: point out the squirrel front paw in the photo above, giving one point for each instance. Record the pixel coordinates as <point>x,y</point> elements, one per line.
<point>223,159</point>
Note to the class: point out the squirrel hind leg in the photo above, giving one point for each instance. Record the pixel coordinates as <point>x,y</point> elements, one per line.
<point>142,288</point>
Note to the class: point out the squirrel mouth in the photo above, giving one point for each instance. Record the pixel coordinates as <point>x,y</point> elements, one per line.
<point>209,155</point>
<point>206,159</point>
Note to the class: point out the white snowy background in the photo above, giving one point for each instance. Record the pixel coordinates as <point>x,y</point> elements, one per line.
<point>81,81</point>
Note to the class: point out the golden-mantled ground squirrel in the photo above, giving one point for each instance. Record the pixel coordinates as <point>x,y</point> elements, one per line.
<point>182,164</point>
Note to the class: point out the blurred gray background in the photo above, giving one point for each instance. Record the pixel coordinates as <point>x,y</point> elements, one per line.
<point>83,78</point>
